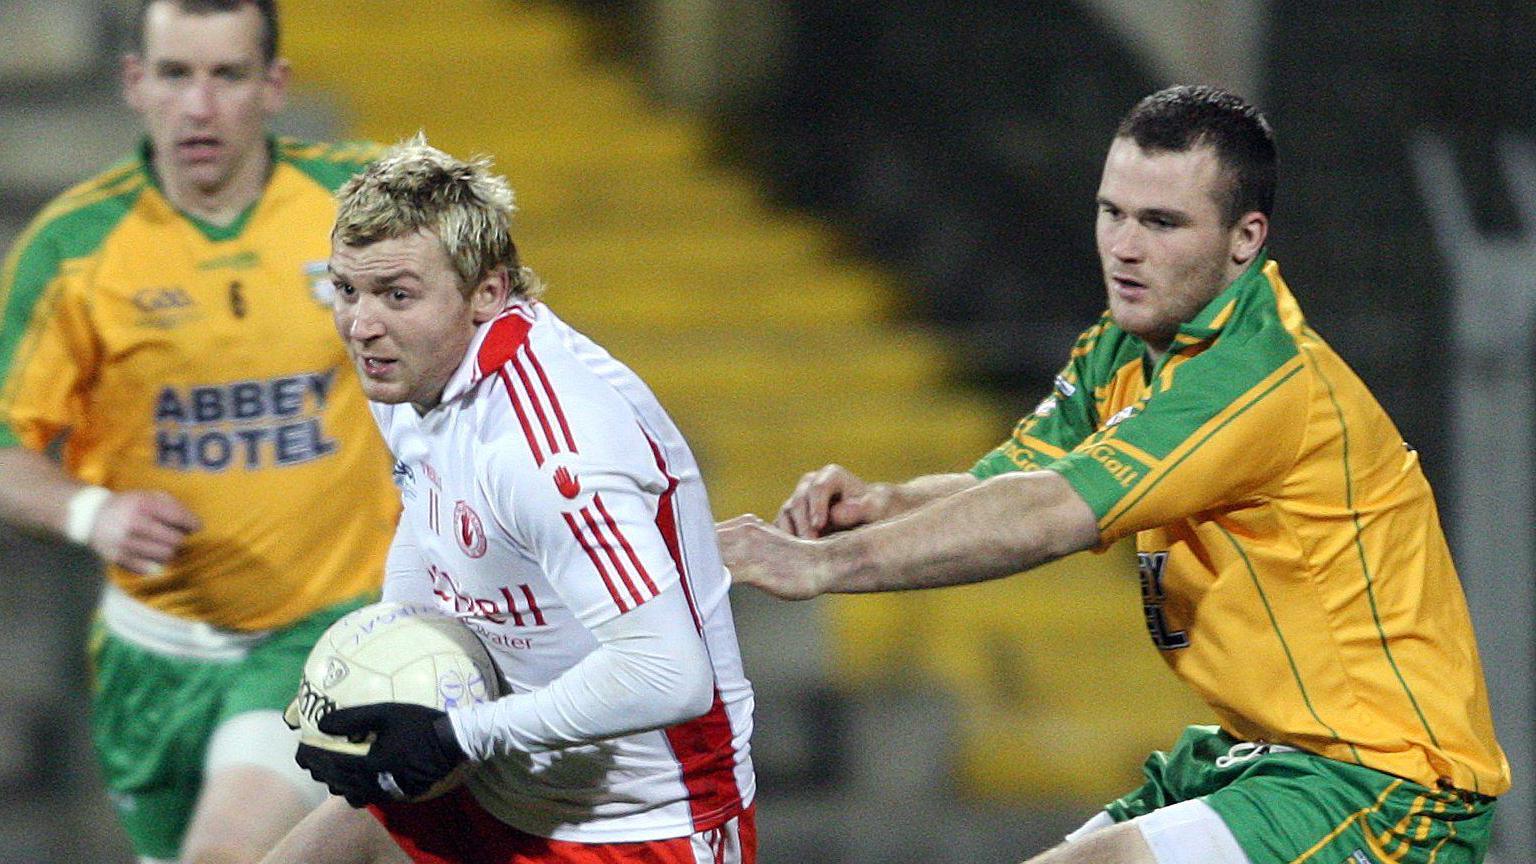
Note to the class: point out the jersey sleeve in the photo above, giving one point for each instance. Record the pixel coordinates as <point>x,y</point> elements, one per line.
<point>649,670</point>
<point>588,515</point>
<point>1062,419</point>
<point>405,571</point>
<point>48,353</point>
<point>1224,431</point>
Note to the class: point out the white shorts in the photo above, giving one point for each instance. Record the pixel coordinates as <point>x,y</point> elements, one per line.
<point>1189,832</point>
<point>261,738</point>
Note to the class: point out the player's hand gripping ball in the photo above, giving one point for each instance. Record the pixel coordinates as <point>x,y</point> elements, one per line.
<point>371,708</point>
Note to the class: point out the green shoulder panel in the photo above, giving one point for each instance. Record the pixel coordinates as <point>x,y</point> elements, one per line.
<point>1068,413</point>
<point>1247,353</point>
<point>1222,381</point>
<point>1103,350</point>
<point>73,226</point>
<point>329,164</point>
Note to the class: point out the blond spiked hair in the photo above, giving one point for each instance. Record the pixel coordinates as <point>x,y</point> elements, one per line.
<point>415,186</point>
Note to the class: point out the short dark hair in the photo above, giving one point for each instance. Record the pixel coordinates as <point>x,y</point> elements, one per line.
<point>1183,117</point>
<point>266,8</point>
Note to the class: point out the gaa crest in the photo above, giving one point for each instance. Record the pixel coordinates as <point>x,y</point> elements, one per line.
<point>468,530</point>
<point>318,275</point>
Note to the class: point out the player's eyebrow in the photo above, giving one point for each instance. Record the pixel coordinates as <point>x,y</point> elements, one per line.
<point>1177,217</point>
<point>386,277</point>
<point>1167,213</point>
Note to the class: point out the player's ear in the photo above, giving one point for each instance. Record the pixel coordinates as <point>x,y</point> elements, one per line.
<point>275,86</point>
<point>132,73</point>
<point>1248,237</point>
<point>489,296</point>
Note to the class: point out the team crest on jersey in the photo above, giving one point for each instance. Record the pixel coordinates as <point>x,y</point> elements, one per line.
<point>468,530</point>
<point>318,274</point>
<point>563,472</point>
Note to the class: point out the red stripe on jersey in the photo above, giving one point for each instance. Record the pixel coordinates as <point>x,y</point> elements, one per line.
<point>506,335</point>
<point>517,617</point>
<point>554,401</point>
<point>666,523</point>
<point>586,515</point>
<point>538,407</point>
<point>596,562</point>
<point>533,605</point>
<point>703,748</point>
<point>522,416</point>
<point>623,541</point>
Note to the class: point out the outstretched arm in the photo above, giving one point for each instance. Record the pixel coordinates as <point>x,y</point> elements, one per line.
<point>34,490</point>
<point>832,499</point>
<point>991,529</point>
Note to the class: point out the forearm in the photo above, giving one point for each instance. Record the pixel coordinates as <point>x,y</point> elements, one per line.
<point>903,498</point>
<point>651,670</point>
<point>35,491</point>
<point>964,533</point>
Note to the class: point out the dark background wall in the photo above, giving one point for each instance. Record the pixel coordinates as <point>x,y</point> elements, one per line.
<point>959,145</point>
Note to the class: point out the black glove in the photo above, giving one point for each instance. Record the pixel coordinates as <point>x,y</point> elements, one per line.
<point>413,748</point>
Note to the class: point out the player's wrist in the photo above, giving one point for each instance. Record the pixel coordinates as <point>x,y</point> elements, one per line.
<point>839,560</point>
<point>872,498</point>
<point>81,512</point>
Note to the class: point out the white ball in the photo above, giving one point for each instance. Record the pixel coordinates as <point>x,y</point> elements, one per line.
<point>390,652</point>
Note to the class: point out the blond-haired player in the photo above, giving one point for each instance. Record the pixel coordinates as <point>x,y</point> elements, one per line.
<point>549,502</point>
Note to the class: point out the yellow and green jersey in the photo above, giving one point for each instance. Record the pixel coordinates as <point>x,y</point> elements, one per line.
<point>171,354</point>
<point>1293,568</point>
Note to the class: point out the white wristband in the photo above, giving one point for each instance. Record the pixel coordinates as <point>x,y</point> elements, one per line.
<point>81,512</point>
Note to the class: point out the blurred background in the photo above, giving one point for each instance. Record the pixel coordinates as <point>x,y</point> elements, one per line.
<point>858,231</point>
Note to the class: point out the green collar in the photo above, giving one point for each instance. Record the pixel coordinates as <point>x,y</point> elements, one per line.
<point>215,233</point>
<point>1209,323</point>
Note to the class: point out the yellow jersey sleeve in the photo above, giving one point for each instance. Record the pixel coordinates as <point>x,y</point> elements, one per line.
<point>48,355</point>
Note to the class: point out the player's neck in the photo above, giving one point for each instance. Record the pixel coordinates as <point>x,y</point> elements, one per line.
<point>222,205</point>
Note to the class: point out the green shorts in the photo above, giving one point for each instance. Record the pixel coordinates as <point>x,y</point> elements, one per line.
<point>1292,807</point>
<point>152,715</point>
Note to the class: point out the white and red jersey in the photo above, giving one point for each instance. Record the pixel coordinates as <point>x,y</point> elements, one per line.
<point>546,495</point>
